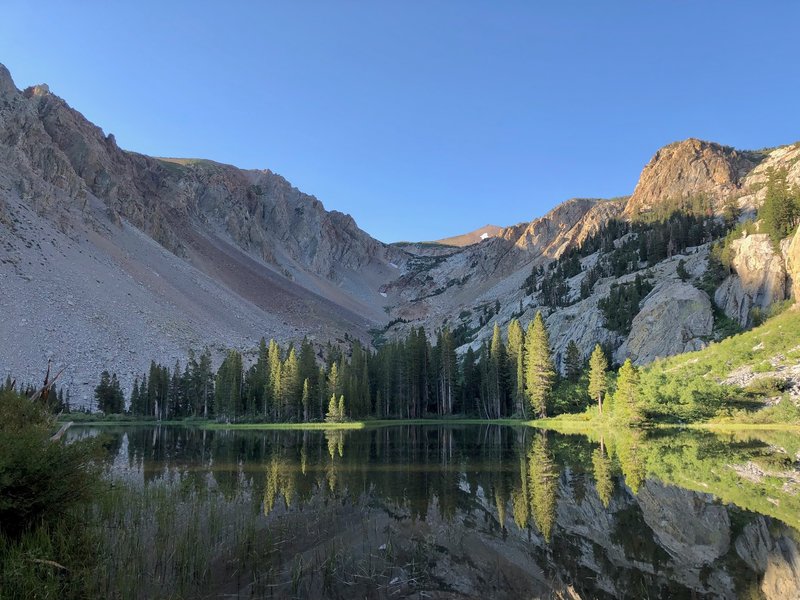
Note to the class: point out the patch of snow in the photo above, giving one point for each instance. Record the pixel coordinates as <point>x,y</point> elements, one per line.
<point>391,264</point>
<point>484,236</point>
<point>383,294</point>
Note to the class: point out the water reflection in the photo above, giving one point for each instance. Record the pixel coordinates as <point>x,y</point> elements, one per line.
<point>511,511</point>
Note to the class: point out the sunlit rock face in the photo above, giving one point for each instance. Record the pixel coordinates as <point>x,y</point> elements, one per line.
<point>759,278</point>
<point>792,257</point>
<point>689,169</point>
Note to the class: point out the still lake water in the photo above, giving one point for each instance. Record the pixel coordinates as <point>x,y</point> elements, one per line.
<point>488,511</point>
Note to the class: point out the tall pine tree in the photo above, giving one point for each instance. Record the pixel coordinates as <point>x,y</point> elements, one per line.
<point>539,371</point>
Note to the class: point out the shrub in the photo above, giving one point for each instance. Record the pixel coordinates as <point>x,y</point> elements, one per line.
<point>40,479</point>
<point>766,387</point>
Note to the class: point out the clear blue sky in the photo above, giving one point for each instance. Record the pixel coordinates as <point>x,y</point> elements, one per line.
<point>421,119</point>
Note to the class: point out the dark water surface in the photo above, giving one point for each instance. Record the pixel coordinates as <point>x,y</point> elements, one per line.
<point>483,511</point>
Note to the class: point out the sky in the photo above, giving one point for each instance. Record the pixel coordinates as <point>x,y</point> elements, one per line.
<point>420,119</point>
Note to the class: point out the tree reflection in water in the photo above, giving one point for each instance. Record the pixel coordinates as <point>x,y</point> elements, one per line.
<point>622,513</point>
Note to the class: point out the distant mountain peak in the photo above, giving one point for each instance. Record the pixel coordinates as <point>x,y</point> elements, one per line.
<point>473,237</point>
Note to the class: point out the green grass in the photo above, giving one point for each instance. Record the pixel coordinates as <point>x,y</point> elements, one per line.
<point>779,335</point>
<point>286,426</point>
<point>734,427</point>
<point>350,425</point>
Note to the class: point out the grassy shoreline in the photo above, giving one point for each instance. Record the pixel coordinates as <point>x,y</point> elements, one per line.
<point>563,424</point>
<point>347,425</point>
<point>552,423</point>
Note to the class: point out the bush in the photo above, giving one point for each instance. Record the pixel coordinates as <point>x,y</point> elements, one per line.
<point>39,479</point>
<point>766,387</point>
<point>45,488</point>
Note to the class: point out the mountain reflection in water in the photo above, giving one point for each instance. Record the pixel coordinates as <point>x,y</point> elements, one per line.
<point>500,511</point>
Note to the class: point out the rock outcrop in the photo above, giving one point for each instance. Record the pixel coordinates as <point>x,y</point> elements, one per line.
<point>675,317</point>
<point>695,533</point>
<point>759,280</point>
<point>688,169</point>
<point>792,260</point>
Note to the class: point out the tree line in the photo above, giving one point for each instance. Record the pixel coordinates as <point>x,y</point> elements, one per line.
<point>511,375</point>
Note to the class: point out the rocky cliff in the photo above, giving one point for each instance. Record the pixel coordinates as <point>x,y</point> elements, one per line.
<point>689,169</point>
<point>112,258</point>
<point>676,316</point>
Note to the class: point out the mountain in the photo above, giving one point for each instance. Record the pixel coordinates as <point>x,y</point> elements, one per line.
<point>110,258</point>
<point>472,237</point>
<point>463,287</point>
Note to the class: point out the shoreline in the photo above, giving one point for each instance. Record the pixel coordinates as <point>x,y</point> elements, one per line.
<point>554,424</point>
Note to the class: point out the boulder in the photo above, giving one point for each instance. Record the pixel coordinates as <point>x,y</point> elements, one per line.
<point>676,317</point>
<point>782,575</point>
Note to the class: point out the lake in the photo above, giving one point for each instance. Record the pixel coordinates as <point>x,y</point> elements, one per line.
<point>432,511</point>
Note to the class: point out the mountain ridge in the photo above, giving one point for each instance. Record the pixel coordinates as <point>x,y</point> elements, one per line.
<point>244,253</point>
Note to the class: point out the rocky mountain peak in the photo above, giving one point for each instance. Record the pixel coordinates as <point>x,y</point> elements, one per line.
<point>6,82</point>
<point>687,169</point>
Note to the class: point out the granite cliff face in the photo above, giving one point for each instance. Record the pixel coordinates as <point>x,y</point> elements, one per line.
<point>689,169</point>
<point>146,257</point>
<point>759,278</point>
<point>676,317</point>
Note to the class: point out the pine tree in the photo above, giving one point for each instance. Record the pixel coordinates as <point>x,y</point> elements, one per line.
<point>228,388</point>
<point>539,371</point>
<point>731,211</point>
<point>543,482</point>
<point>143,387</point>
<point>134,404</point>
<point>497,362</point>
<point>274,380</point>
<point>572,362</point>
<point>598,365</point>
<point>117,398</point>
<point>289,384</point>
<point>175,401</point>
<point>102,393</point>
<point>333,414</point>
<point>516,364</point>
<point>448,371</point>
<point>627,404</point>
<point>306,399</point>
<point>205,383</point>
<point>781,207</point>
<point>604,484</point>
<point>308,370</point>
